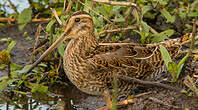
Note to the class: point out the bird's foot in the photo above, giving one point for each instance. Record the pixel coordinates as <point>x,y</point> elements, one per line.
<point>109,105</point>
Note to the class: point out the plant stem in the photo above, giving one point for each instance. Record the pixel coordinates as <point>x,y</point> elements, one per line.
<point>9,76</point>
<point>193,37</point>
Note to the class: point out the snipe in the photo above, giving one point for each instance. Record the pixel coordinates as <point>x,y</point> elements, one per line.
<point>92,66</point>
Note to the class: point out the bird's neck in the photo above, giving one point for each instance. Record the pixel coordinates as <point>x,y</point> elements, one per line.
<point>83,45</point>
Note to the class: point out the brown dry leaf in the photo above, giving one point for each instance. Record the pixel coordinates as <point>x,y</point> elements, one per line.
<point>185,37</point>
<point>195,56</point>
<point>127,101</point>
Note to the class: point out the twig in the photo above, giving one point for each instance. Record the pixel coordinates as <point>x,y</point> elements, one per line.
<point>64,5</point>
<point>116,3</point>
<point>149,83</point>
<point>152,30</point>
<point>188,41</point>
<point>116,30</point>
<point>142,94</point>
<point>56,16</point>
<point>37,36</point>
<point>38,49</point>
<point>193,37</point>
<point>92,5</point>
<point>43,42</point>
<point>163,103</point>
<point>123,4</point>
<point>189,82</point>
<point>130,43</point>
<point>9,19</point>
<point>9,70</point>
<point>41,19</point>
<point>59,65</point>
<point>187,50</point>
<point>187,12</point>
<point>69,6</point>
<point>97,13</point>
<point>36,41</point>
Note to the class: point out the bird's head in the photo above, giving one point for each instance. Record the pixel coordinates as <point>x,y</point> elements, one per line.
<point>78,24</point>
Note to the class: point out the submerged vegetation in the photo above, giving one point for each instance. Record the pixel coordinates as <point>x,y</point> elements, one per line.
<point>141,21</point>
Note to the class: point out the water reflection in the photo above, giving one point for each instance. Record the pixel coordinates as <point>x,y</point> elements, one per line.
<point>21,5</point>
<point>60,98</point>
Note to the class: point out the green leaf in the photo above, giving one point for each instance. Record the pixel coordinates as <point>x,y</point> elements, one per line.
<point>1,24</point>
<point>88,3</point>
<point>3,85</point>
<point>19,83</point>
<point>182,13</point>
<point>6,39</point>
<point>137,15</point>
<point>144,32</point>
<point>183,91</point>
<point>11,45</point>
<point>5,81</point>
<point>161,2</point>
<point>145,9</point>
<point>15,66</point>
<point>98,21</point>
<point>61,49</point>
<point>145,27</point>
<point>173,69</point>
<point>24,17</point>
<point>42,64</point>
<point>195,51</point>
<point>21,26</point>
<point>39,88</point>
<point>3,66</point>
<point>49,25</point>
<point>165,55</point>
<point>25,68</point>
<point>20,92</point>
<point>180,65</point>
<point>167,15</point>
<point>121,19</point>
<point>162,36</point>
<point>62,18</point>
<point>108,8</point>
<point>193,14</point>
<point>38,5</point>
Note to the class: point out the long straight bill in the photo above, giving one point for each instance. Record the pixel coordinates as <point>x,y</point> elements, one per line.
<point>49,50</point>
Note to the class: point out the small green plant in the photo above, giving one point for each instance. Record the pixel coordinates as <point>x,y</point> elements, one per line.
<point>4,57</point>
<point>24,17</point>
<point>174,68</point>
<point>5,61</point>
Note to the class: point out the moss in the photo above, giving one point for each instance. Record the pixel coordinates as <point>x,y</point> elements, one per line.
<point>4,57</point>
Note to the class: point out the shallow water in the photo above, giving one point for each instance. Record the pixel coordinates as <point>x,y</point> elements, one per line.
<point>21,5</point>
<point>60,97</point>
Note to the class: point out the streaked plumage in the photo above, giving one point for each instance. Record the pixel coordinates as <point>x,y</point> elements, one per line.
<point>91,66</point>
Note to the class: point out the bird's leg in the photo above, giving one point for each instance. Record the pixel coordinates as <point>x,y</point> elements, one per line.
<point>108,99</point>
<point>108,106</point>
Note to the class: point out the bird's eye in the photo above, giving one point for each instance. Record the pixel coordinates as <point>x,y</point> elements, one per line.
<point>77,19</point>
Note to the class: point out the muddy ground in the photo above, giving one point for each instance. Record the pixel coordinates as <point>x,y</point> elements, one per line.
<point>71,98</point>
